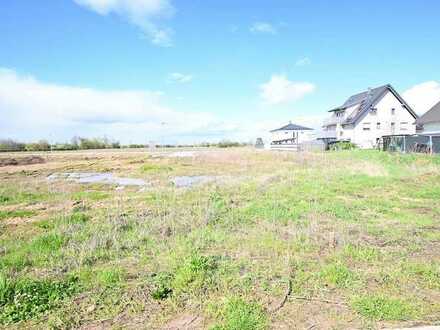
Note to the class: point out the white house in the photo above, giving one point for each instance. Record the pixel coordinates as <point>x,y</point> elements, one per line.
<point>365,117</point>
<point>291,134</point>
<point>430,121</point>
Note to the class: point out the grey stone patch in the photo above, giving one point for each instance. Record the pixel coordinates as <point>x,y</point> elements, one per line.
<point>104,178</point>
<point>189,181</point>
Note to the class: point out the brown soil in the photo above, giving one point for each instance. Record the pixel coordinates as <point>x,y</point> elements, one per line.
<point>21,161</point>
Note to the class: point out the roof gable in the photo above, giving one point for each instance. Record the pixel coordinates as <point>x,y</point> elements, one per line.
<point>367,100</point>
<point>430,116</point>
<point>292,127</point>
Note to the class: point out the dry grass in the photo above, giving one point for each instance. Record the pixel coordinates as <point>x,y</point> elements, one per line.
<point>355,233</point>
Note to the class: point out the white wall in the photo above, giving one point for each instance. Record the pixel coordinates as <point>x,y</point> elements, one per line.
<point>367,138</point>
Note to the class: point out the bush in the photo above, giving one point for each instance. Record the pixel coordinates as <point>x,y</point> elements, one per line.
<point>229,144</point>
<point>26,299</point>
<point>344,145</point>
<point>41,145</point>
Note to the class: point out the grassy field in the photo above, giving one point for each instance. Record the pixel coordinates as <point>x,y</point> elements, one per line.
<point>278,240</point>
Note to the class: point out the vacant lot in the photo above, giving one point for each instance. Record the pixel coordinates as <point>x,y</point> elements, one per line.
<point>258,240</point>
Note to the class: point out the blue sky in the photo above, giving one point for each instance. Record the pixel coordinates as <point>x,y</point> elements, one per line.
<point>184,71</point>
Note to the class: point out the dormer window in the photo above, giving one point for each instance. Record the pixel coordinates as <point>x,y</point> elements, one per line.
<point>340,114</point>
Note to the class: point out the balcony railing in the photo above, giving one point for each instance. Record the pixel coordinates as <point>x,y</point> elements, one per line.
<point>327,135</point>
<point>333,120</point>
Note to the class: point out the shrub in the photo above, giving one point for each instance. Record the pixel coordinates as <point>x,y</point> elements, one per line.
<point>26,299</point>
<point>381,308</point>
<point>41,145</point>
<point>238,314</point>
<point>11,145</point>
<point>228,144</point>
<point>344,145</point>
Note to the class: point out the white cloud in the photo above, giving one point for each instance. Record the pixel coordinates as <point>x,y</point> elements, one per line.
<point>263,27</point>
<point>423,97</point>
<point>280,90</point>
<point>142,13</point>
<point>303,61</point>
<point>181,78</point>
<point>31,109</point>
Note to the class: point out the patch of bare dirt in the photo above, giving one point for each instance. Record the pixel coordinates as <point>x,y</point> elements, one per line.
<point>185,322</point>
<point>30,160</point>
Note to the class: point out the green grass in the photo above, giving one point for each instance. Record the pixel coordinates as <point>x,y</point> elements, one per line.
<point>110,277</point>
<point>24,299</point>
<point>362,253</point>
<point>339,275</point>
<point>154,168</point>
<point>382,308</point>
<point>91,195</point>
<point>237,314</point>
<point>359,227</point>
<point>16,214</point>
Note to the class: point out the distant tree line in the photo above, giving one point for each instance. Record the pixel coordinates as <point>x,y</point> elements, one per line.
<point>79,143</point>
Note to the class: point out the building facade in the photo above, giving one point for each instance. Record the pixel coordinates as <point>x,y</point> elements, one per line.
<point>368,116</point>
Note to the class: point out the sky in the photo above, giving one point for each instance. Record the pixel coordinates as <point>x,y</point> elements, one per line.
<point>184,71</point>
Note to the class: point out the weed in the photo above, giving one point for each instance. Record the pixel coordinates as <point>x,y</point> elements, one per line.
<point>77,218</point>
<point>362,253</point>
<point>194,274</point>
<point>26,299</point>
<point>162,286</point>
<point>338,275</point>
<point>382,308</point>
<point>237,314</point>
<point>47,243</point>
<point>4,199</point>
<point>428,273</point>
<point>110,277</point>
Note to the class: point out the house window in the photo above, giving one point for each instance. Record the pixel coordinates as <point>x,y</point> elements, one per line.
<point>340,114</point>
<point>393,111</point>
<point>373,111</point>
<point>393,126</point>
<point>341,133</point>
<point>378,125</point>
<point>366,127</point>
<point>404,126</point>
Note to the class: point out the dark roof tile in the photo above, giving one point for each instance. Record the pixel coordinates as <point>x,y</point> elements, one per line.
<point>431,116</point>
<point>292,127</point>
